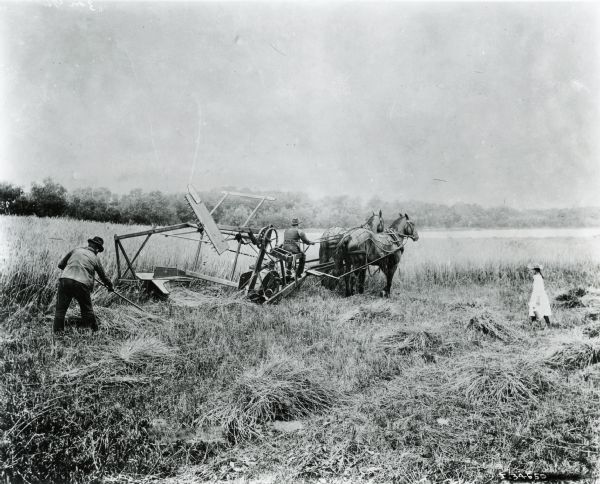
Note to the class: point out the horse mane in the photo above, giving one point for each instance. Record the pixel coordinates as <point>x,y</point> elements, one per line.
<point>395,223</point>
<point>380,226</point>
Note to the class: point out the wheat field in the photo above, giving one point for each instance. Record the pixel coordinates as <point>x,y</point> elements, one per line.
<point>445,381</point>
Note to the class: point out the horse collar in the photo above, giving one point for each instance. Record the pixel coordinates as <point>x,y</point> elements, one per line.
<point>396,238</point>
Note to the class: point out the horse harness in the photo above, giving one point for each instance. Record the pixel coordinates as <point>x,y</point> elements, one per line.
<point>399,240</point>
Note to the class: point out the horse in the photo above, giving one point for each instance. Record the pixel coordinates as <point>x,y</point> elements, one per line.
<point>333,235</point>
<point>360,248</point>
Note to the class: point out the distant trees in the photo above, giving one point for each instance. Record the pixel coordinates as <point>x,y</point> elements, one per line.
<point>94,204</point>
<point>50,199</point>
<point>9,194</point>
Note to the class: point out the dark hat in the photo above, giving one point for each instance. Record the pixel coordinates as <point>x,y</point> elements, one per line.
<point>295,221</point>
<point>98,242</point>
<point>535,266</point>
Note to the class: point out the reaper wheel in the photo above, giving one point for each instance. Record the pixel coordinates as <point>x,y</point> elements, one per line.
<point>268,238</point>
<point>271,283</point>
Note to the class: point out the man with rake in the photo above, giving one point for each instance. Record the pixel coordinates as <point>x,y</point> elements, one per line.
<point>77,281</point>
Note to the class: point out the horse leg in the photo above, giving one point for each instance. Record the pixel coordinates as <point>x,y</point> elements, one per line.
<point>362,274</point>
<point>338,269</point>
<point>350,277</point>
<point>361,280</point>
<point>389,274</point>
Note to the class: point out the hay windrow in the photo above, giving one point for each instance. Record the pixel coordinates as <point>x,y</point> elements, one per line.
<point>188,298</point>
<point>408,341</point>
<point>592,331</point>
<point>122,363</point>
<point>143,350</point>
<point>575,355</point>
<point>571,298</point>
<point>280,389</point>
<point>591,374</point>
<point>497,379</point>
<point>485,323</point>
<point>127,319</point>
<point>368,312</point>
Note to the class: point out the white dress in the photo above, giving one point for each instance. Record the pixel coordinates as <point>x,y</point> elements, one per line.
<point>539,302</point>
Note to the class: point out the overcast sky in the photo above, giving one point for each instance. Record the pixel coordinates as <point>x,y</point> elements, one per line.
<point>501,100</point>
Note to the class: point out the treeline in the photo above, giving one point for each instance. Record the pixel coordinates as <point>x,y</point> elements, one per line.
<point>50,199</point>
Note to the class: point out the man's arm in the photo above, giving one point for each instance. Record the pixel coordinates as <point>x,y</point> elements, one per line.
<point>304,239</point>
<point>63,263</point>
<point>105,280</point>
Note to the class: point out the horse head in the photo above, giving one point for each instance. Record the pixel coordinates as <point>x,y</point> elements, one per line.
<point>371,225</point>
<point>369,222</point>
<point>404,226</point>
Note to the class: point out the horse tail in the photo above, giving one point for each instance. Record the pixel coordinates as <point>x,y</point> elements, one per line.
<point>323,247</point>
<point>323,252</point>
<point>341,248</point>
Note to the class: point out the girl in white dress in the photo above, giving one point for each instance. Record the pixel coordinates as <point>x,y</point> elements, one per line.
<point>539,304</point>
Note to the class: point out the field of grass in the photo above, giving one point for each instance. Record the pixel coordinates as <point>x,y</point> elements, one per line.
<point>445,381</point>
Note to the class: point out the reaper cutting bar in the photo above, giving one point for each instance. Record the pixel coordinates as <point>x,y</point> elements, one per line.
<point>204,231</point>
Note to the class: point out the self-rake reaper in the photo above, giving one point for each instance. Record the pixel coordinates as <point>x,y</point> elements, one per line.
<point>273,272</point>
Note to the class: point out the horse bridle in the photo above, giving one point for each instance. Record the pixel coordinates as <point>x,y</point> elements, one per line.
<point>400,239</point>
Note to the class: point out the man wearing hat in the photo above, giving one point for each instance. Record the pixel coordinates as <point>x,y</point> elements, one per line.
<point>291,238</point>
<point>77,281</point>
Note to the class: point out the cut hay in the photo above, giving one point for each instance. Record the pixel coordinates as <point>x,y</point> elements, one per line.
<point>115,365</point>
<point>575,355</point>
<point>376,309</point>
<point>571,298</point>
<point>487,325</point>
<point>278,390</point>
<point>499,380</point>
<point>592,331</point>
<point>187,298</point>
<point>127,319</point>
<point>143,350</point>
<point>591,374</point>
<point>405,342</point>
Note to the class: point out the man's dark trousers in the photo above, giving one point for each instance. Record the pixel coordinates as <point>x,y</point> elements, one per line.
<point>67,290</point>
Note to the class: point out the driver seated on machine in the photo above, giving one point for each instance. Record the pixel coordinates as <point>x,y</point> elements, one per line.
<point>291,242</point>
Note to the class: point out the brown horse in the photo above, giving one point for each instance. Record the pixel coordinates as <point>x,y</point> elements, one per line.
<point>332,236</point>
<point>360,248</point>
